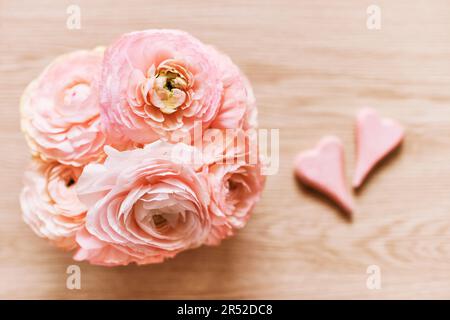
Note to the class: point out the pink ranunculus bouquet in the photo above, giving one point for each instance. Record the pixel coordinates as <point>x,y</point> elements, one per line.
<point>141,150</point>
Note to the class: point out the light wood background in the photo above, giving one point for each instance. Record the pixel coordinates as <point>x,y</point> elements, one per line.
<point>312,65</point>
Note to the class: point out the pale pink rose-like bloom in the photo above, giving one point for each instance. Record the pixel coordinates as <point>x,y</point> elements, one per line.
<point>165,83</point>
<point>235,186</point>
<point>235,189</point>
<point>60,111</point>
<point>50,204</point>
<point>143,207</point>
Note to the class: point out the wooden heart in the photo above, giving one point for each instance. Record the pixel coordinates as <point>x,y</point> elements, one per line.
<point>322,168</point>
<point>375,138</point>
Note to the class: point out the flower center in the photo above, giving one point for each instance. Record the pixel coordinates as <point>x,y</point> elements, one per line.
<point>70,182</point>
<point>159,220</point>
<point>232,185</point>
<point>171,86</point>
<point>77,93</point>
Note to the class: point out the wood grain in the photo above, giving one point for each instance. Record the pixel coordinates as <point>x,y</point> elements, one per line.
<point>312,65</point>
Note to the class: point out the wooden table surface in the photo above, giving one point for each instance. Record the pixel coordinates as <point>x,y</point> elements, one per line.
<point>313,64</point>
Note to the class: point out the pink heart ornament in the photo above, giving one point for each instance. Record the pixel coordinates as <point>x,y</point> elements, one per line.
<point>322,168</point>
<point>375,139</point>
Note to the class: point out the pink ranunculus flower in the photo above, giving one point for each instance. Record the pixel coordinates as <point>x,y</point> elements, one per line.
<point>144,206</point>
<point>161,83</point>
<point>60,111</point>
<point>49,202</point>
<point>235,189</point>
<point>235,182</point>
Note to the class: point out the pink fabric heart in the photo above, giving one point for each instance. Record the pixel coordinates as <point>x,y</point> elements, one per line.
<point>375,138</point>
<point>322,168</point>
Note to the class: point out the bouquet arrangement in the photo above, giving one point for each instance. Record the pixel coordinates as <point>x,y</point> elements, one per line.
<point>140,150</point>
